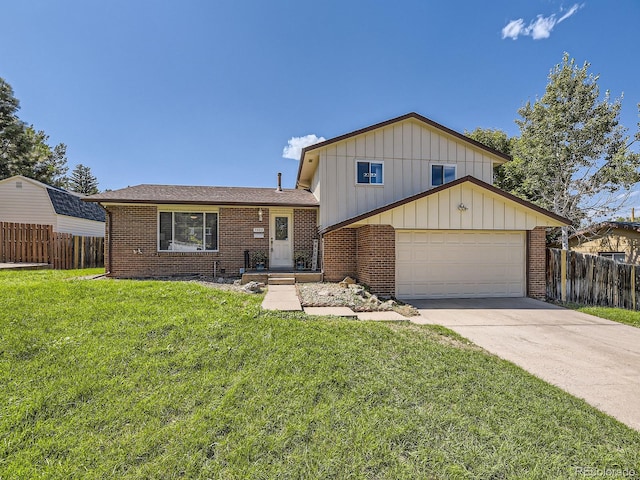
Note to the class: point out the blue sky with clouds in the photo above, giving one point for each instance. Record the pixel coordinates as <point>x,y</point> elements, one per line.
<point>210,92</point>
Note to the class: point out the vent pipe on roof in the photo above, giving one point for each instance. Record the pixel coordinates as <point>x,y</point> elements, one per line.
<point>279,189</point>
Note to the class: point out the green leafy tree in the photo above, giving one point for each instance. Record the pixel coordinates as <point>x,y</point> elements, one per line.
<point>23,149</point>
<point>83,181</point>
<point>500,141</point>
<point>573,157</point>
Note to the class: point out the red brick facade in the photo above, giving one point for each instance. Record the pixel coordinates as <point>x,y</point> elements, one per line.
<point>305,230</point>
<point>132,242</point>
<point>536,263</point>
<point>367,253</point>
<point>376,258</point>
<point>339,254</point>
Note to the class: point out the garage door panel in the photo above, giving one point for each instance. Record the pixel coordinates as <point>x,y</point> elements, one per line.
<point>440,264</point>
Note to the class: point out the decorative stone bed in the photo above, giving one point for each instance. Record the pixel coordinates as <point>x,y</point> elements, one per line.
<point>354,296</point>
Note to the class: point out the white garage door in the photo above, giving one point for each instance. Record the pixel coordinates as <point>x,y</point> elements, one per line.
<point>459,264</point>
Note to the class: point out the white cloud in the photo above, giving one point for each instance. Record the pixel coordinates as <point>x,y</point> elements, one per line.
<point>296,144</point>
<point>513,29</point>
<point>571,11</point>
<point>537,29</point>
<point>542,27</point>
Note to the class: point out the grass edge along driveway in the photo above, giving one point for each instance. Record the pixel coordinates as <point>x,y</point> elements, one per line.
<point>143,379</point>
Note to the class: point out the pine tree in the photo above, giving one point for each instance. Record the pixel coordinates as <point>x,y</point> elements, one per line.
<point>23,149</point>
<point>82,181</point>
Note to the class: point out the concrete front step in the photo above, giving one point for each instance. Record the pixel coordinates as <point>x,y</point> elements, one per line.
<point>265,277</point>
<point>281,280</point>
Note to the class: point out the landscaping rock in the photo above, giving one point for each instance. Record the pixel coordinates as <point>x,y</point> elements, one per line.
<point>352,296</point>
<point>253,287</point>
<point>357,290</point>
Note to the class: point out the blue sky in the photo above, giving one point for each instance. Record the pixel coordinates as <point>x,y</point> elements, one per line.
<point>209,92</point>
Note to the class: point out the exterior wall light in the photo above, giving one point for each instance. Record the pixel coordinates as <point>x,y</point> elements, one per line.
<point>462,207</point>
<point>259,214</point>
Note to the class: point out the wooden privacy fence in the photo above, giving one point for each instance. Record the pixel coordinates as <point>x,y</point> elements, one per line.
<point>591,280</point>
<point>22,242</point>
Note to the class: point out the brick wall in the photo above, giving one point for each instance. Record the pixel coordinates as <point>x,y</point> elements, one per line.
<point>339,255</point>
<point>536,263</point>
<point>135,227</point>
<point>376,258</point>
<point>305,230</point>
<point>367,254</point>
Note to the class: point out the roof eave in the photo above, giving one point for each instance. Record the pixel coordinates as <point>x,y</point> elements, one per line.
<point>440,188</point>
<point>196,202</point>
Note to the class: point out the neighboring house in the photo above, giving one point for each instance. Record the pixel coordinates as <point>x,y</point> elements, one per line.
<point>24,200</point>
<point>617,240</point>
<point>406,206</point>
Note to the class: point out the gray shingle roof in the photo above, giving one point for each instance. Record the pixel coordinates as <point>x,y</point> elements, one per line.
<point>65,203</point>
<point>607,226</point>
<point>180,194</point>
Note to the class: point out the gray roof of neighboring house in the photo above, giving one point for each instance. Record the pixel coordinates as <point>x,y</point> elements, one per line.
<point>609,225</point>
<point>65,203</point>
<point>181,194</point>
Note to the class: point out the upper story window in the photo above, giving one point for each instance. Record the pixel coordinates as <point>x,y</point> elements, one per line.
<point>441,174</point>
<point>369,173</point>
<point>188,232</point>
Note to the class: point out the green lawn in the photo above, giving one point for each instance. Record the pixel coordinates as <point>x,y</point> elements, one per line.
<point>621,315</point>
<point>127,379</point>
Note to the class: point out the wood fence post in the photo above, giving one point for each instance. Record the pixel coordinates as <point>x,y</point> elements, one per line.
<point>82,252</point>
<point>563,275</point>
<point>633,287</point>
<point>76,251</point>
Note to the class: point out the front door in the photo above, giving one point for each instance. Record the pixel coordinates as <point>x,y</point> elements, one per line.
<point>281,241</point>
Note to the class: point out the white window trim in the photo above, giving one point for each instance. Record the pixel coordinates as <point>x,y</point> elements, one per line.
<point>439,164</point>
<point>370,161</point>
<point>612,256</point>
<point>185,210</point>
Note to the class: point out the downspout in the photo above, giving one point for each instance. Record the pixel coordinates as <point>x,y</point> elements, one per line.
<point>109,242</point>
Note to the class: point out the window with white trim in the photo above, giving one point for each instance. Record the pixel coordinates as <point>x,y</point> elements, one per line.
<point>369,173</point>
<point>441,174</point>
<point>618,257</point>
<point>187,232</point>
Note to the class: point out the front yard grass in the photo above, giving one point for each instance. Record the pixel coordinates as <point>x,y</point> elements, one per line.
<point>142,379</point>
<point>620,315</point>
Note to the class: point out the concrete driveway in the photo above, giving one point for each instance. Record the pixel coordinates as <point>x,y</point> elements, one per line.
<point>589,357</point>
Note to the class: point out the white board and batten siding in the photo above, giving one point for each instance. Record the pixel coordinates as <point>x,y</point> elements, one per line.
<point>407,149</point>
<point>483,210</point>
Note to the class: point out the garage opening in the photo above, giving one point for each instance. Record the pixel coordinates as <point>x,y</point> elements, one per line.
<point>460,263</point>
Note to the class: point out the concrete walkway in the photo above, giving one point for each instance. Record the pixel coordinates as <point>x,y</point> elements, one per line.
<point>589,357</point>
<point>283,298</point>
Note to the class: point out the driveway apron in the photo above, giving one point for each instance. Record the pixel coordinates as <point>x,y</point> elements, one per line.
<point>592,358</point>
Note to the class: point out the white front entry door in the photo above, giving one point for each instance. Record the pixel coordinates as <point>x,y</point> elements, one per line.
<point>281,240</point>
